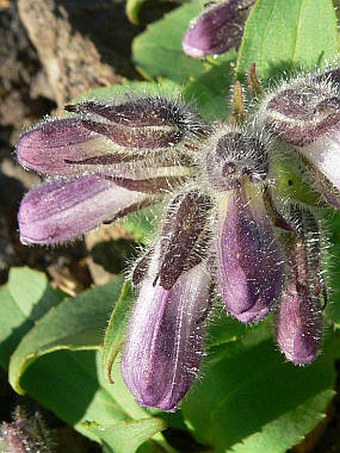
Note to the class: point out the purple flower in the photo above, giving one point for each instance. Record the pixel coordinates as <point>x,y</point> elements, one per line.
<point>219,232</point>
<point>299,319</point>
<point>218,29</point>
<point>108,160</point>
<point>305,114</point>
<point>237,167</point>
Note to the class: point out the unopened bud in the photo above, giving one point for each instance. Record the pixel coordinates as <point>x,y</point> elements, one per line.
<point>234,155</point>
<point>218,29</point>
<point>165,339</point>
<point>250,265</point>
<point>305,114</point>
<point>100,136</point>
<point>299,319</point>
<point>62,210</point>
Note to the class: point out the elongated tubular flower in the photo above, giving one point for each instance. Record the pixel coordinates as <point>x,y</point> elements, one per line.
<point>108,161</point>
<point>166,334</point>
<point>218,29</point>
<point>250,268</point>
<point>299,319</point>
<point>305,114</point>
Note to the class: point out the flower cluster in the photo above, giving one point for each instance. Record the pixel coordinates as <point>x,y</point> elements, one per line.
<point>225,231</point>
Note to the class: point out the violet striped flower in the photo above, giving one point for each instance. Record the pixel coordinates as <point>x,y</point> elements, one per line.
<point>304,113</point>
<point>107,161</point>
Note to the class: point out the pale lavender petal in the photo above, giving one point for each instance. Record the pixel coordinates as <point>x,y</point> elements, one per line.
<point>54,148</point>
<point>249,259</point>
<point>325,156</point>
<point>217,29</point>
<point>63,210</point>
<point>165,338</point>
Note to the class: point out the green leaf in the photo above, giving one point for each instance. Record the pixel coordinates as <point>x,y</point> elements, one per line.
<point>142,224</point>
<point>158,51</point>
<point>115,332</point>
<point>289,428</point>
<point>127,436</point>
<point>332,260</point>
<point>211,90</point>
<point>132,9</point>
<point>23,300</point>
<point>281,34</point>
<point>66,382</point>
<point>252,401</point>
<point>162,87</point>
<point>58,364</point>
<point>77,323</point>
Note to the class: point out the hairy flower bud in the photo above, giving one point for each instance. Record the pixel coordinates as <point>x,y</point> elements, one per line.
<point>101,136</point>
<point>250,268</point>
<point>305,113</point>
<point>218,29</point>
<point>299,319</point>
<point>166,335</point>
<point>233,156</point>
<point>62,210</point>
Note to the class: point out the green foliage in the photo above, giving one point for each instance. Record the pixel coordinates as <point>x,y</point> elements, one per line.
<point>281,35</point>
<point>58,361</point>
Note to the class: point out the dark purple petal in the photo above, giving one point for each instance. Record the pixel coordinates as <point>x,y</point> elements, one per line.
<point>143,112</point>
<point>63,210</point>
<point>151,185</point>
<point>183,241</point>
<point>165,338</point>
<point>146,123</point>
<point>217,29</point>
<point>249,259</point>
<point>333,75</point>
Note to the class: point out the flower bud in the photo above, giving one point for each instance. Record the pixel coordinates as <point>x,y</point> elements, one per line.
<point>305,113</point>
<point>250,268</point>
<point>166,334</point>
<point>101,137</point>
<point>218,29</point>
<point>299,319</point>
<point>165,338</point>
<point>62,210</point>
<point>233,156</point>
